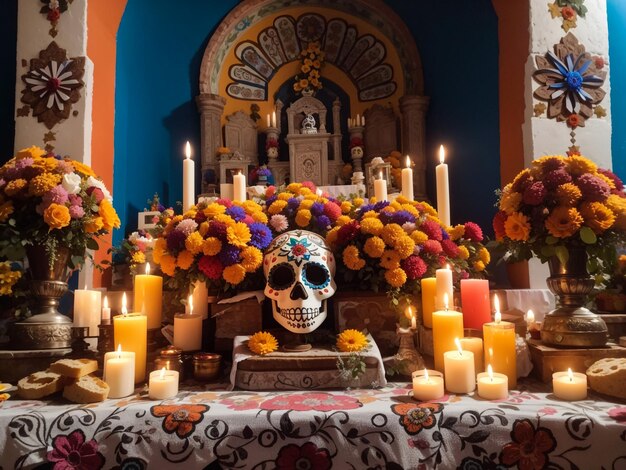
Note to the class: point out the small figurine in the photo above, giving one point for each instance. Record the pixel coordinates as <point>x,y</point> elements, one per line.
<point>308,125</point>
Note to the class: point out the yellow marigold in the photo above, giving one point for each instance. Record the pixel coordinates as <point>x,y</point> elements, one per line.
<point>419,237</point>
<point>389,209</point>
<point>262,343</point>
<point>303,217</point>
<point>194,243</point>
<point>578,165</point>
<point>597,216</point>
<point>285,196</point>
<point>456,232</point>
<point>138,257</point>
<point>168,264</point>
<point>372,226</point>
<point>373,200</point>
<point>517,227</point>
<point>391,233</point>
<point>346,207</point>
<point>617,204</point>
<point>251,258</point>
<point>238,235</point>
<point>331,236</point>
<point>158,250</point>
<point>33,152</point>
<point>43,183</point>
<point>8,278</point>
<point>82,168</point>
<point>213,209</point>
<point>259,217</point>
<point>251,206</point>
<point>607,180</point>
<point>430,210</point>
<point>405,246</point>
<point>203,228</point>
<point>234,274</point>
<point>568,194</point>
<point>463,252</point>
<point>390,259</point>
<point>351,258</point>
<point>313,197</point>
<point>306,204</point>
<point>563,222</point>
<point>93,225</point>
<point>351,341</point>
<point>510,201</point>
<point>211,246</point>
<point>342,220</point>
<point>294,187</point>
<point>6,209</point>
<point>225,219</point>
<point>48,164</point>
<point>184,260</point>
<point>484,255</point>
<point>56,216</point>
<point>374,247</point>
<point>370,214</point>
<point>191,213</point>
<point>15,186</point>
<point>402,200</point>
<point>479,265</point>
<point>411,209</point>
<point>110,219</point>
<point>277,206</point>
<point>358,201</point>
<point>395,277</point>
<point>304,191</point>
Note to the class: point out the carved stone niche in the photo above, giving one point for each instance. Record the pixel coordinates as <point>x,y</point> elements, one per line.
<point>240,133</point>
<point>381,132</point>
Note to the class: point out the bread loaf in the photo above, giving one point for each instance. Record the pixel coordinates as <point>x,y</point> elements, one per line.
<point>40,385</point>
<point>608,376</point>
<point>74,368</point>
<point>87,389</point>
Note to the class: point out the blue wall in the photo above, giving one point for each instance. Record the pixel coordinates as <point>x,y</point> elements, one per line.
<point>616,10</point>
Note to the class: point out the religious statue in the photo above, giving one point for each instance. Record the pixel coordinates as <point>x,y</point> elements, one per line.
<point>308,125</point>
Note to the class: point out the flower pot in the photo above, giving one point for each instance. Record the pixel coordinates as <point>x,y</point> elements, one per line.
<point>571,323</point>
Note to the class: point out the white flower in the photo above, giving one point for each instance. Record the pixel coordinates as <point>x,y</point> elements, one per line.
<point>96,183</point>
<point>71,183</point>
<point>279,222</point>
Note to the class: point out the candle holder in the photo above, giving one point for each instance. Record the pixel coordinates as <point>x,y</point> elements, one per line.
<point>171,359</point>
<point>408,359</point>
<point>105,341</point>
<point>206,366</point>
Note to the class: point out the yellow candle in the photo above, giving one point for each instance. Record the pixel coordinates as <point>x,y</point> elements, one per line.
<point>499,342</point>
<point>189,191</point>
<point>407,180</point>
<point>444,287</point>
<point>475,345</point>
<point>87,309</point>
<point>380,188</point>
<point>239,187</point>
<point>447,325</point>
<point>119,372</point>
<point>492,386</point>
<point>188,330</point>
<point>459,369</point>
<point>131,330</point>
<point>149,297</point>
<point>443,190</point>
<point>429,291</point>
<point>570,386</point>
<point>427,385</point>
<point>163,384</point>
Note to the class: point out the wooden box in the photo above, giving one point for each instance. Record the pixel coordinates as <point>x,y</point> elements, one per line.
<point>616,324</point>
<point>547,359</point>
<point>241,318</point>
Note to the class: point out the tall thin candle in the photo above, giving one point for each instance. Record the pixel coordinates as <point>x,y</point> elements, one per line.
<point>443,188</point>
<point>407,180</point>
<point>189,190</point>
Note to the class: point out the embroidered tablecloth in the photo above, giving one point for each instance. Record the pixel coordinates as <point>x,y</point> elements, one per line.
<point>382,428</point>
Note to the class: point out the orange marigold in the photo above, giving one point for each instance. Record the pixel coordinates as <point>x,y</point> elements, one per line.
<point>597,216</point>
<point>564,222</point>
<point>568,194</point>
<point>517,227</point>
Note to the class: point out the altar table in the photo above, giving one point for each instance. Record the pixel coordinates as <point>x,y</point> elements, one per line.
<point>381,428</point>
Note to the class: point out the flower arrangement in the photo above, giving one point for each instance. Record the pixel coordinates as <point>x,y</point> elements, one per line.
<point>54,202</point>
<point>312,62</point>
<point>355,343</point>
<point>559,203</point>
<point>262,343</point>
<point>219,242</point>
<point>138,248</point>
<point>261,175</point>
<point>10,274</point>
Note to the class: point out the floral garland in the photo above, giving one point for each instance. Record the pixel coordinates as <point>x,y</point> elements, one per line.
<point>312,61</point>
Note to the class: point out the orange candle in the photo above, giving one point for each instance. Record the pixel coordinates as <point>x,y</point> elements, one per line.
<point>447,325</point>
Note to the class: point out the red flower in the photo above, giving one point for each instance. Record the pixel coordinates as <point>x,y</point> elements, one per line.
<point>450,248</point>
<point>311,401</point>
<point>568,13</point>
<point>308,456</point>
<point>414,266</point>
<point>530,447</point>
<point>432,229</point>
<point>618,414</point>
<point>180,419</point>
<point>332,210</point>
<point>534,194</point>
<point>348,232</point>
<point>417,416</point>
<point>73,453</point>
<point>54,15</point>
<point>432,247</point>
<point>574,120</point>
<point>473,232</point>
<point>211,266</point>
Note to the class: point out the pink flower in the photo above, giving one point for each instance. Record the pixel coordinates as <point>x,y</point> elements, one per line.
<point>311,402</point>
<point>75,200</point>
<point>187,226</point>
<point>248,220</point>
<point>279,223</point>
<point>593,188</point>
<point>76,212</point>
<point>58,195</point>
<point>225,202</point>
<point>73,453</point>
<point>473,232</point>
<point>310,185</point>
<point>618,414</point>
<point>548,410</point>
<point>65,167</point>
<point>332,210</point>
<point>414,266</point>
<point>242,403</point>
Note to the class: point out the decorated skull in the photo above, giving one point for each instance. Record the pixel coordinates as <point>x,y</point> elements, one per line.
<point>299,268</point>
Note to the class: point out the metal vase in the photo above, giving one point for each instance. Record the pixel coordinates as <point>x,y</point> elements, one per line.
<point>571,323</point>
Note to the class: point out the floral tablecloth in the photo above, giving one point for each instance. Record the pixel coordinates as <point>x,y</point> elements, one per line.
<point>381,428</point>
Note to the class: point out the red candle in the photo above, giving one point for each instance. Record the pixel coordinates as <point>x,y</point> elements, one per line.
<point>475,302</point>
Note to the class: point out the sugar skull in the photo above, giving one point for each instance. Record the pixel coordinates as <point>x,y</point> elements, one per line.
<point>299,269</point>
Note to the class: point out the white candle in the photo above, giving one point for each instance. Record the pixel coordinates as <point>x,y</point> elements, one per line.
<point>226,191</point>
<point>407,180</point>
<point>570,386</point>
<point>119,372</point>
<point>427,385</point>
<point>530,319</point>
<point>269,124</point>
<point>349,123</point>
<point>163,384</point>
<point>239,187</point>
<point>380,188</point>
<point>87,309</point>
<point>358,119</point>
<point>273,118</point>
<point>492,386</point>
<point>200,300</point>
<point>362,121</point>
<point>411,316</point>
<point>188,330</point>
<point>475,345</point>
<point>443,190</point>
<point>189,190</point>
<point>105,318</point>
<point>459,370</point>
<point>444,286</point>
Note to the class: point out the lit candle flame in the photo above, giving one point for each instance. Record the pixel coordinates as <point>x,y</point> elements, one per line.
<point>408,162</point>
<point>570,374</point>
<point>147,268</point>
<point>187,150</point>
<point>530,317</point>
<point>490,372</point>
<point>119,350</point>
<point>409,312</point>
<point>162,374</point>
<point>458,346</point>
<point>106,302</point>
<point>426,375</point>
<point>190,304</point>
<point>442,154</point>
<point>124,309</point>
<point>445,300</point>
<point>496,303</point>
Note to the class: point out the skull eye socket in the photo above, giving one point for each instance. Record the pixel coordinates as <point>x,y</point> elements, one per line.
<point>281,276</point>
<point>315,275</point>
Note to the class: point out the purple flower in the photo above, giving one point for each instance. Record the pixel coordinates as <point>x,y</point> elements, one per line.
<point>58,195</point>
<point>379,206</point>
<point>365,208</point>
<point>323,222</point>
<point>593,188</point>
<point>175,240</point>
<point>264,172</point>
<point>293,203</point>
<point>269,200</point>
<point>229,255</point>
<point>619,185</point>
<point>217,230</point>
<point>76,212</point>
<point>236,212</point>
<point>400,217</point>
<point>261,235</point>
<point>317,208</point>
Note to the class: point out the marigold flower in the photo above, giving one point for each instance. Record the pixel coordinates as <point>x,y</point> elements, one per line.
<point>484,255</point>
<point>568,194</point>
<point>332,236</point>
<point>390,259</point>
<point>610,182</point>
<point>405,246</point>
<point>303,217</point>
<point>456,232</point>
<point>463,252</point>
<point>370,214</point>
<point>351,341</point>
<point>478,265</point>
<point>194,243</point>
<point>203,229</point>
<point>597,216</point>
<point>168,264</point>
<point>374,247</point>
<point>391,233</point>
<point>517,227</point>
<point>211,246</point>
<point>371,226</point>
<point>617,204</point>
<point>15,186</point>
<point>306,203</point>
<point>234,274</point>
<point>251,258</point>
<point>43,183</point>
<point>395,277</point>
<point>30,152</point>
<point>346,207</point>
<point>6,209</point>
<point>82,168</point>
<point>578,165</point>
<point>343,220</point>
<point>260,217</point>
<point>138,257</point>
<point>238,235</point>
<point>158,250</point>
<point>419,237</point>
<point>184,260</point>
<point>262,343</point>
<point>110,218</point>
<point>358,201</point>
<point>277,206</point>
<point>564,222</point>
<point>351,258</point>
<point>510,201</point>
<point>520,182</point>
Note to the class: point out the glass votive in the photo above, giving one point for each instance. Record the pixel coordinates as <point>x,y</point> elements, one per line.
<point>206,366</point>
<point>427,385</point>
<point>171,359</point>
